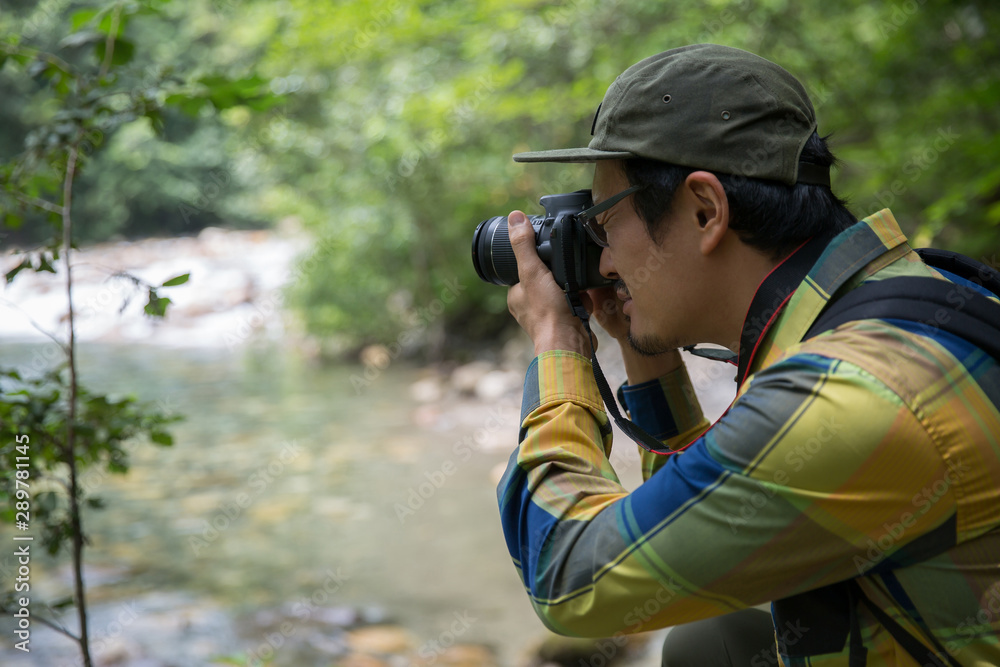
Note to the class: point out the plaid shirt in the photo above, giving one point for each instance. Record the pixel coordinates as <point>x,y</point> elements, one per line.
<point>871,451</point>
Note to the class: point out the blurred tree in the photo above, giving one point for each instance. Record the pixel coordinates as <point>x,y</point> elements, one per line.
<point>405,114</point>
<point>168,174</point>
<point>402,116</point>
<point>51,427</point>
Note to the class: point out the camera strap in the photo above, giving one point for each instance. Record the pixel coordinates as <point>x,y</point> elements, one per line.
<point>628,427</point>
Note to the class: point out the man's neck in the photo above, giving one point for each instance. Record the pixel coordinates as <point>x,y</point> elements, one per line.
<point>739,278</point>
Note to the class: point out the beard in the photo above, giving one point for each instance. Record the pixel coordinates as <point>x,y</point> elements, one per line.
<point>650,345</point>
<point>647,345</point>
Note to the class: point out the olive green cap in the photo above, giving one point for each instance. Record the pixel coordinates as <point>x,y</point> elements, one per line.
<point>708,107</point>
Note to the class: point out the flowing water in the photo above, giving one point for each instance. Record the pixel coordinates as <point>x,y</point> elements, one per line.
<point>289,492</point>
<point>298,499</point>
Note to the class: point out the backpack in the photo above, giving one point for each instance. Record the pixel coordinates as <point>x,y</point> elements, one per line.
<point>961,308</point>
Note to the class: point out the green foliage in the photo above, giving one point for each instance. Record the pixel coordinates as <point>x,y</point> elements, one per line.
<point>52,427</point>
<point>33,424</point>
<point>129,73</point>
<point>397,121</point>
<point>405,114</point>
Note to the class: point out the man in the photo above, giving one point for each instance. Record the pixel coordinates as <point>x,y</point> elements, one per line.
<point>853,481</point>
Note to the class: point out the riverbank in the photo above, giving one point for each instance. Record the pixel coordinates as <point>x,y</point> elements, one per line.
<point>178,629</point>
<point>234,294</point>
<point>391,488</point>
<point>295,513</point>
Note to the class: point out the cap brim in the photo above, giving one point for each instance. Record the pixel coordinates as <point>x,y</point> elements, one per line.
<point>571,155</point>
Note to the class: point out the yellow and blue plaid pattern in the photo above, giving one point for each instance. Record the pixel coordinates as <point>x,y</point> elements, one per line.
<point>872,451</point>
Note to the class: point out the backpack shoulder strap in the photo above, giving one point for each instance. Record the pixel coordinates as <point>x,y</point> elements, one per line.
<point>961,265</point>
<point>932,657</point>
<point>934,304</point>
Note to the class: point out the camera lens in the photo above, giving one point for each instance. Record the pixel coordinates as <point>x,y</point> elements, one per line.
<point>492,254</point>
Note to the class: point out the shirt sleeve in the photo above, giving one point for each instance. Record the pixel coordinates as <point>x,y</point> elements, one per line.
<point>787,470</point>
<point>666,408</point>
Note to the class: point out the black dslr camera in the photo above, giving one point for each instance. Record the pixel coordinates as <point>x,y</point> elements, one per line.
<point>563,245</point>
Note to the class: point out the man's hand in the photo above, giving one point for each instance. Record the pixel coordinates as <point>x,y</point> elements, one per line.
<point>537,303</point>
<point>607,311</point>
<point>606,308</point>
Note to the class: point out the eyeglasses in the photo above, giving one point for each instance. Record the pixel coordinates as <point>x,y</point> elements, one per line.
<point>589,217</point>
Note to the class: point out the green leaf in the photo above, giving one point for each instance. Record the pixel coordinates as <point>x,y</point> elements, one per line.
<point>251,91</point>
<point>25,264</point>
<point>156,121</point>
<point>161,438</point>
<point>157,305</point>
<point>177,280</point>
<point>62,603</point>
<point>265,102</point>
<point>44,265</point>
<point>122,51</point>
<point>105,25</point>
<point>13,221</point>
<point>82,38</point>
<point>189,104</point>
<point>82,17</point>
<point>23,57</point>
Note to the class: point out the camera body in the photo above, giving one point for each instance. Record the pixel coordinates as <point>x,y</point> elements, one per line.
<point>562,243</point>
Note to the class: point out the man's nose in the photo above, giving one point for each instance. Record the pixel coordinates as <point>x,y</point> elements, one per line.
<point>607,265</point>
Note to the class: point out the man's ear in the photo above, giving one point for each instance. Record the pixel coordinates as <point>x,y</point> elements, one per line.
<point>710,206</point>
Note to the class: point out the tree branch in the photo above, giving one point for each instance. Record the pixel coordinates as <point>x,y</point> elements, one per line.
<point>57,627</point>
<point>109,44</point>
<point>11,304</point>
<point>40,203</point>
<point>38,53</point>
<point>51,336</point>
<point>44,621</point>
<point>55,60</point>
<point>74,485</point>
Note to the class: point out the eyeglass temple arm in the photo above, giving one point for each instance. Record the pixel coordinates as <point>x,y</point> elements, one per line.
<point>594,211</point>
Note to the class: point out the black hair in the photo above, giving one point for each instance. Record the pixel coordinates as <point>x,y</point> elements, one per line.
<point>767,215</point>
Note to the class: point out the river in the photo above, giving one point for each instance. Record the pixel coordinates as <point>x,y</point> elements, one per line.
<point>290,496</point>
<point>286,481</point>
<point>300,510</point>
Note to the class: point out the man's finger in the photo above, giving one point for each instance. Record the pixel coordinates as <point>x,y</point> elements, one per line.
<point>604,299</point>
<point>522,240</point>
